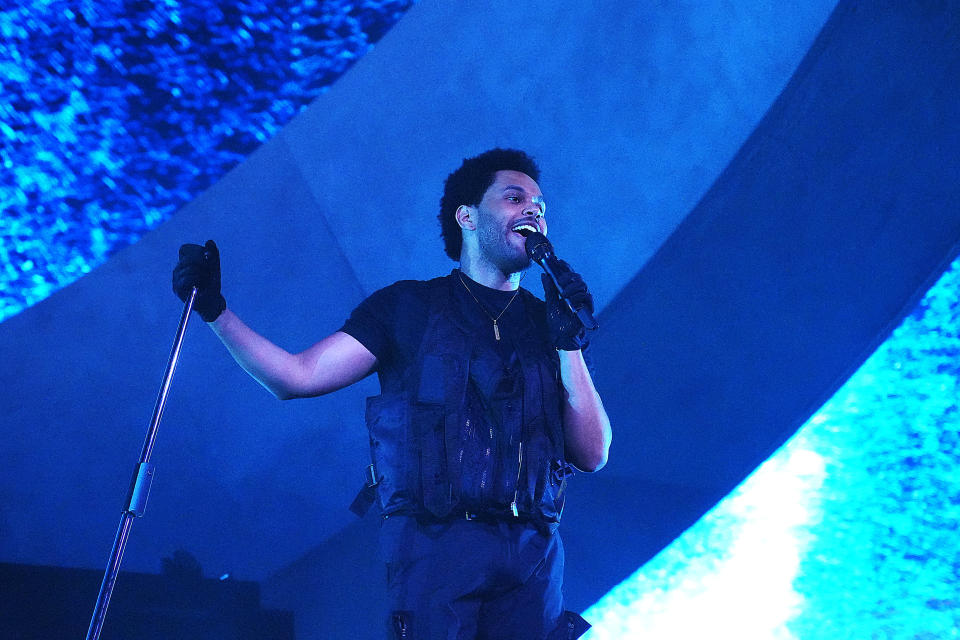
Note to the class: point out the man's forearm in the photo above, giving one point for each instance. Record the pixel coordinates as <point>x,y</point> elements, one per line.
<point>587,432</point>
<point>333,363</point>
<point>273,367</point>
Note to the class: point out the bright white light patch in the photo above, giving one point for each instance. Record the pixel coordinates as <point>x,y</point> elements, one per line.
<point>849,531</point>
<point>731,574</point>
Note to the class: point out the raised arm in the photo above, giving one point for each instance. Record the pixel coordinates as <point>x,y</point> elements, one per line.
<point>333,363</point>
<point>586,427</point>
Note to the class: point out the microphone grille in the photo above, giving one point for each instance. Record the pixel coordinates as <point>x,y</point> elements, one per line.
<point>537,246</point>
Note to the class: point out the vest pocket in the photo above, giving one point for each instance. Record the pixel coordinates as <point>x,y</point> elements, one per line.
<point>431,455</point>
<point>387,422</point>
<point>433,374</point>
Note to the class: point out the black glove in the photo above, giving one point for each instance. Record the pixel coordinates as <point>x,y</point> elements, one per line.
<point>200,267</point>
<point>566,331</point>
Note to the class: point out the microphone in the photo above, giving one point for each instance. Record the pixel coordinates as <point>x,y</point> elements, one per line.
<point>541,251</point>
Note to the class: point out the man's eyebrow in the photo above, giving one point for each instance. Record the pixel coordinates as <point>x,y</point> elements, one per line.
<point>519,188</point>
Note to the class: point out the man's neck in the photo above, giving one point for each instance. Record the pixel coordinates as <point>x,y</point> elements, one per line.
<point>489,275</point>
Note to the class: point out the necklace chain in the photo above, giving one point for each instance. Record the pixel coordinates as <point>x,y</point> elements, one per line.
<point>496,328</point>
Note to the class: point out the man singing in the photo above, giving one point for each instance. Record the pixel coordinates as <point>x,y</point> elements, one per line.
<point>486,403</point>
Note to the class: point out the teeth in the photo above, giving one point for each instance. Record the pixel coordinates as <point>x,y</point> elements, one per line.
<point>526,229</point>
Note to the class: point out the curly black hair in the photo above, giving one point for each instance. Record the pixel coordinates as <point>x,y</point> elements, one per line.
<point>467,185</point>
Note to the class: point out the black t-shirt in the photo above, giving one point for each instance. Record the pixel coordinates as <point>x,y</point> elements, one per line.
<point>391,324</point>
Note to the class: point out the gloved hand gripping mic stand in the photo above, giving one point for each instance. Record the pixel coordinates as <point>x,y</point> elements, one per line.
<point>140,485</point>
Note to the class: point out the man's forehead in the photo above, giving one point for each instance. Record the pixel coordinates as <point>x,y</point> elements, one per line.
<point>504,180</point>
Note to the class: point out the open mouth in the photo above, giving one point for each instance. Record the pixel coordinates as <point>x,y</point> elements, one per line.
<point>525,228</point>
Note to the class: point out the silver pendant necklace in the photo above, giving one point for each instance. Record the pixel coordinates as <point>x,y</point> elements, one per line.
<point>496,327</point>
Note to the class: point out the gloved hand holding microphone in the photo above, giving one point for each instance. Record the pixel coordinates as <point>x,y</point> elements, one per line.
<point>569,303</point>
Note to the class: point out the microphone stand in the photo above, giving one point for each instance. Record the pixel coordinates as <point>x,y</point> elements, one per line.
<point>140,485</point>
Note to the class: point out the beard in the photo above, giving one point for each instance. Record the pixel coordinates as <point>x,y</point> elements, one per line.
<point>500,252</point>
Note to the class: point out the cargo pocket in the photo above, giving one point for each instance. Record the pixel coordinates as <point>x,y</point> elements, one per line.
<point>387,418</point>
<point>434,479</point>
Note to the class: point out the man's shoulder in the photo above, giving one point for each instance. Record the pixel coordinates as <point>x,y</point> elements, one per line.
<point>409,291</point>
<point>415,287</point>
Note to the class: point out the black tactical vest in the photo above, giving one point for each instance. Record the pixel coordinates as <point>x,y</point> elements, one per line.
<point>417,422</point>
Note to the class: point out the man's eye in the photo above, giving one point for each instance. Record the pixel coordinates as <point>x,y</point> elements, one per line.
<point>513,198</point>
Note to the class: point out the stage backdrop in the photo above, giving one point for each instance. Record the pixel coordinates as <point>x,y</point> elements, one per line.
<point>829,221</point>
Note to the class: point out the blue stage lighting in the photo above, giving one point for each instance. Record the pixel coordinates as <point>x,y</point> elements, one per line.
<point>114,115</point>
<point>848,531</point>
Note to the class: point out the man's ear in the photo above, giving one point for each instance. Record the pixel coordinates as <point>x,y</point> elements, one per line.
<point>466,217</point>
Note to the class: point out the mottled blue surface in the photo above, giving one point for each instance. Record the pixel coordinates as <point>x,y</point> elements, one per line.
<point>115,114</point>
<point>851,530</point>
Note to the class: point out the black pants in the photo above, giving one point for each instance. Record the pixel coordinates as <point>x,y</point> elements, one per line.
<point>466,580</point>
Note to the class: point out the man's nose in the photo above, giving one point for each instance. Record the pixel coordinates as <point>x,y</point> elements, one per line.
<point>533,210</point>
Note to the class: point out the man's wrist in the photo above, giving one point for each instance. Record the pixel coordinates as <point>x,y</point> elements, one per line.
<point>211,309</point>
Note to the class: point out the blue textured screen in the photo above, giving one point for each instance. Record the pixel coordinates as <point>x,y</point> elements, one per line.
<point>850,531</point>
<point>115,114</point>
